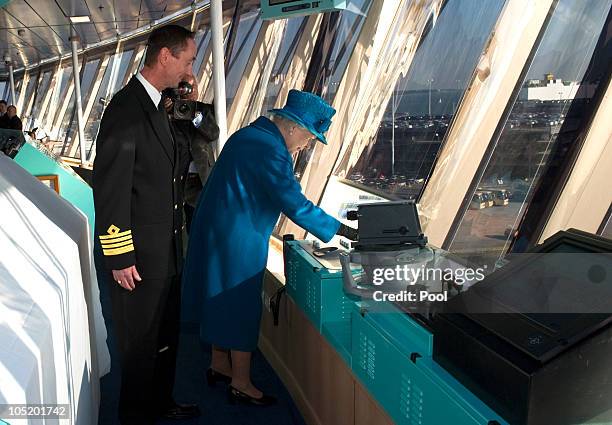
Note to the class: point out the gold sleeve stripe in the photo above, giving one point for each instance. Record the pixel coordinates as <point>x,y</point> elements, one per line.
<point>118,245</point>
<point>115,235</point>
<point>121,239</point>
<point>118,251</point>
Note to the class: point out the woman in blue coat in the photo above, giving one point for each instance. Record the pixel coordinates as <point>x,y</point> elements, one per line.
<point>250,185</point>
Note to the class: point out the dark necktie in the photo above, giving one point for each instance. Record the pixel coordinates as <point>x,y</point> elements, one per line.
<point>164,118</point>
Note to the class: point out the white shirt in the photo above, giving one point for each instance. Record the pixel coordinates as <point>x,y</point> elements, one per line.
<point>151,90</point>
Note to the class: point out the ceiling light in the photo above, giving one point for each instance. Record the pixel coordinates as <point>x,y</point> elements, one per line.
<point>79,19</point>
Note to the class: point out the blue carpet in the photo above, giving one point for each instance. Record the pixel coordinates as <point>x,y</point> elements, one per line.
<point>193,360</point>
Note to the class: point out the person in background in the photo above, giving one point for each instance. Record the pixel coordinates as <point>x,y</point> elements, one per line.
<point>41,136</point>
<point>251,183</point>
<point>137,193</point>
<point>2,107</point>
<point>10,120</point>
<point>197,137</point>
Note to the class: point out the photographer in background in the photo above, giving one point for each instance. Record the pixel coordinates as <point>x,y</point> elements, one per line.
<point>195,130</point>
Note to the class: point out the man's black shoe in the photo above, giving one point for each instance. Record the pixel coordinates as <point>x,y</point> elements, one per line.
<point>180,411</point>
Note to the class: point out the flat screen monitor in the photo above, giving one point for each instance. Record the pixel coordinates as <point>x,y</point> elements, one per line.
<point>529,310</point>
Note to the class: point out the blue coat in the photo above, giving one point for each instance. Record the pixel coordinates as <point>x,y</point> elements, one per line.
<point>250,185</point>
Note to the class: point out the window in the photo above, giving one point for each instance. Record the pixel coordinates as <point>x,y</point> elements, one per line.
<point>59,93</point>
<point>28,98</point>
<point>39,95</point>
<point>18,82</point>
<point>202,39</point>
<point>325,73</point>
<point>521,152</point>
<point>264,91</point>
<point>290,38</point>
<point>111,84</point>
<point>248,28</point>
<point>3,87</point>
<point>347,29</point>
<point>142,60</point>
<point>68,128</point>
<point>400,158</point>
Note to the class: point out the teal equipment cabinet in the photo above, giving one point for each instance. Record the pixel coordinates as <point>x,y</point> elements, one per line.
<point>315,284</point>
<point>388,351</point>
<point>392,357</point>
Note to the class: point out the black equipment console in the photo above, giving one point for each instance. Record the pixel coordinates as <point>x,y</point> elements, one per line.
<point>388,223</point>
<point>536,368</point>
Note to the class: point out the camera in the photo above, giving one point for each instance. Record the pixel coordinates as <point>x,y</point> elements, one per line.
<point>175,93</point>
<point>183,109</point>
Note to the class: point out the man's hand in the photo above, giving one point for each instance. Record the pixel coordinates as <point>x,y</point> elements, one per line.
<point>127,277</point>
<point>168,104</point>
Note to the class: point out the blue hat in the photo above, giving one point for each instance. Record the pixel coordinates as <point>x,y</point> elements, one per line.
<point>309,111</point>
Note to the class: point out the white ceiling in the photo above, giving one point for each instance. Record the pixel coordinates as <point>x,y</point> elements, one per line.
<point>34,30</point>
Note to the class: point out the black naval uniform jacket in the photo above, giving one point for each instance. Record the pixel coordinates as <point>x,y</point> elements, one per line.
<point>137,186</point>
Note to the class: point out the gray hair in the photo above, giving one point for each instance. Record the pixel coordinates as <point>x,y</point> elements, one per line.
<point>284,121</point>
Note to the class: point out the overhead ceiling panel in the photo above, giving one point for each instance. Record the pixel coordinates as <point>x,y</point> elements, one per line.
<point>8,21</point>
<point>62,34</point>
<point>52,37</point>
<point>106,30</point>
<point>49,11</point>
<point>107,34</point>
<point>24,13</point>
<point>72,7</point>
<point>33,38</point>
<point>36,30</point>
<point>29,39</point>
<point>87,33</point>
<point>146,17</point>
<point>101,10</point>
<point>23,55</point>
<point>127,10</point>
<point>173,6</point>
<point>125,26</point>
<point>20,51</point>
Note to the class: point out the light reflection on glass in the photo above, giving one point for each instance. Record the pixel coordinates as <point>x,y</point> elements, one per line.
<point>399,160</point>
<point>522,152</point>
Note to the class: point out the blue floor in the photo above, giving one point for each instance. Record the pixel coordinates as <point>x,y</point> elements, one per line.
<point>193,360</point>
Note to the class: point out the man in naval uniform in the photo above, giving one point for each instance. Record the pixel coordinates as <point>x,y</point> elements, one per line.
<point>137,186</point>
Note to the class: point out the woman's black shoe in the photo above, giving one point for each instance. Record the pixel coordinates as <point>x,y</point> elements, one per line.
<point>235,396</point>
<point>212,377</point>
